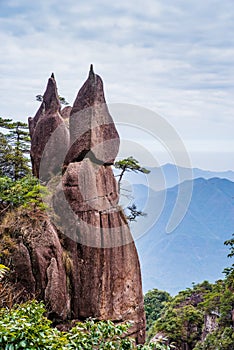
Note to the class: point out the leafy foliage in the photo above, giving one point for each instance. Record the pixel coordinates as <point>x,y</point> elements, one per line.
<point>182,317</point>
<point>180,321</point>
<point>25,191</point>
<point>26,327</point>
<point>221,339</point>
<point>154,302</point>
<point>100,335</point>
<point>220,302</point>
<point>230,243</point>
<point>230,270</point>
<point>17,185</point>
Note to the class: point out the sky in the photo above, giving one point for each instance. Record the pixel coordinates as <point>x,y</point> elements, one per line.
<point>172,58</point>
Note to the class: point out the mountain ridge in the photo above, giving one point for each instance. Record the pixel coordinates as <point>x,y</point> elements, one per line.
<point>194,251</point>
<point>166,176</point>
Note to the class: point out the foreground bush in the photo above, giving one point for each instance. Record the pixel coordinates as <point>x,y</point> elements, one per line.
<point>26,327</point>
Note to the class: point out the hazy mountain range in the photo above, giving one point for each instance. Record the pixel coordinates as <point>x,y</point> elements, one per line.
<point>171,172</point>
<point>194,251</point>
<point>169,175</point>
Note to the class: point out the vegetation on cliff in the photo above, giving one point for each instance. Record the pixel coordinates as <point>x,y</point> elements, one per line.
<point>198,318</point>
<point>25,326</point>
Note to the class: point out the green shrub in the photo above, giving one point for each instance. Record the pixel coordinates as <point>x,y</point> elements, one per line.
<point>26,327</point>
<point>25,191</point>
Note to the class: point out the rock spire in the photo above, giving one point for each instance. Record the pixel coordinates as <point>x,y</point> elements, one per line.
<point>92,130</point>
<point>42,126</point>
<point>103,279</point>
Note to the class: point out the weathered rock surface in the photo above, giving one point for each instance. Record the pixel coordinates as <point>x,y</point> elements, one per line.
<point>23,268</point>
<point>65,112</point>
<point>92,130</point>
<point>93,270</point>
<point>39,267</point>
<point>42,126</point>
<point>210,324</point>
<point>109,278</point>
<point>88,186</point>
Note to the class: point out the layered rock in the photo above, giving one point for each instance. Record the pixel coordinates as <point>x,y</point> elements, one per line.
<point>103,271</point>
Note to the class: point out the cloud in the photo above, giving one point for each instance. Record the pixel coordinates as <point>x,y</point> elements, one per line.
<point>176,59</point>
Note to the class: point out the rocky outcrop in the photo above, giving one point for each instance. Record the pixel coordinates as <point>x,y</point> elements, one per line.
<point>37,262</point>
<point>23,268</point>
<point>210,324</point>
<point>93,269</point>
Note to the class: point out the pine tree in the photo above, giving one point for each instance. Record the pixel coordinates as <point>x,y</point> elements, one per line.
<point>129,164</point>
<point>14,149</point>
<point>6,166</point>
<point>125,165</point>
<point>62,100</point>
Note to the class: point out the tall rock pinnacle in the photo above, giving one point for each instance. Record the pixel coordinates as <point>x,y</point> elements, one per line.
<point>104,272</point>
<point>42,126</point>
<point>92,130</point>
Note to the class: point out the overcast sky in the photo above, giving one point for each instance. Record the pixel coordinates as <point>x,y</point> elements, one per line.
<point>173,57</point>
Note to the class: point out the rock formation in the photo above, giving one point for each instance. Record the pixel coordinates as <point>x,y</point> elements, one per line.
<point>89,266</point>
<point>39,267</point>
<point>210,324</point>
<point>42,126</point>
<point>92,131</point>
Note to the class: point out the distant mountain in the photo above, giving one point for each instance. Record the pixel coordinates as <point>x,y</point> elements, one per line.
<point>194,251</point>
<point>169,175</point>
<point>171,171</point>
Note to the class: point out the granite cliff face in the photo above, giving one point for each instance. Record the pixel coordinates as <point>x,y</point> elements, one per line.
<point>89,267</point>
